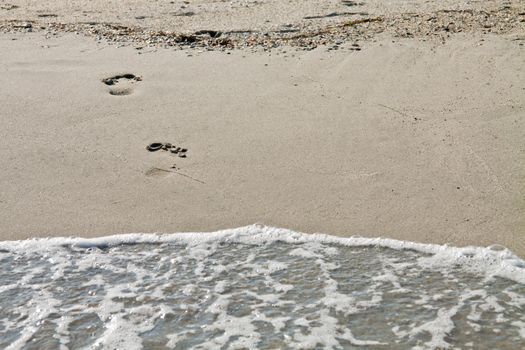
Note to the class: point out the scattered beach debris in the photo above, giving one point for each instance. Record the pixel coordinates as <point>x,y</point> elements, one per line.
<point>304,35</point>
<point>166,146</point>
<point>352,3</point>
<point>24,25</point>
<point>47,15</point>
<point>337,14</point>
<point>363,20</point>
<point>183,14</point>
<point>211,33</point>
<point>8,7</point>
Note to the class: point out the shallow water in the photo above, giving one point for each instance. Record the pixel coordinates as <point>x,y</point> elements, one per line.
<point>257,287</point>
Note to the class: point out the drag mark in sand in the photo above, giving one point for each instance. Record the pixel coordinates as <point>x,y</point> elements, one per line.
<point>157,171</point>
<point>395,110</point>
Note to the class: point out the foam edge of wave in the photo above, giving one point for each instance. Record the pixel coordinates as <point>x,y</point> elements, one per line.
<point>499,260</point>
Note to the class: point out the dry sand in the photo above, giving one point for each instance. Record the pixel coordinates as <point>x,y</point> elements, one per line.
<point>408,139</point>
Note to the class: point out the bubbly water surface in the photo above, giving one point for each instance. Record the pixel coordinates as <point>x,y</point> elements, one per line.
<point>257,287</point>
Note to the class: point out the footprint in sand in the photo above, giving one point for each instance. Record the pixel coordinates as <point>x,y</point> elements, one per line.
<point>122,84</point>
<point>156,146</point>
<point>174,169</point>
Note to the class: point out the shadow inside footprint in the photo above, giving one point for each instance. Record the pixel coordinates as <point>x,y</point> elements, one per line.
<point>121,85</point>
<point>120,91</point>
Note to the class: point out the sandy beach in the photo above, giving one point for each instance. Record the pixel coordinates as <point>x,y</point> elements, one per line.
<point>405,122</point>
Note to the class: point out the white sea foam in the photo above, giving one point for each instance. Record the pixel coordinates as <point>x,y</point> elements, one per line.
<point>254,287</point>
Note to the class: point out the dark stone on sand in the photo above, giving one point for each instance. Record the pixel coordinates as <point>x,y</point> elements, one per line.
<point>211,33</point>
<point>26,25</point>
<point>352,3</point>
<point>183,14</point>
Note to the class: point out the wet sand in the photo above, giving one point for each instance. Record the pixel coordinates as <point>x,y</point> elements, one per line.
<point>405,138</point>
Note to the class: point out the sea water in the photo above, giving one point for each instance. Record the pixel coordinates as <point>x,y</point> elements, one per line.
<point>257,287</point>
